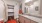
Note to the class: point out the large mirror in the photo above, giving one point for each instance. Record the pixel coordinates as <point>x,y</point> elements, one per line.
<point>32,7</point>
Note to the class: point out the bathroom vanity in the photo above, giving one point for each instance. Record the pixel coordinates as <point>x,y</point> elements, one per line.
<point>29,19</point>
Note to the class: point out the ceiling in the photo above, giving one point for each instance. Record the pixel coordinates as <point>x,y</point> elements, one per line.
<point>14,0</point>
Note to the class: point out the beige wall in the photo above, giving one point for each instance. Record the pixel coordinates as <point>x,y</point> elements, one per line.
<point>41,7</point>
<point>2,10</point>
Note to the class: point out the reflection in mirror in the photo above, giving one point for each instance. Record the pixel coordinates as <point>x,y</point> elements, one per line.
<point>36,8</point>
<point>27,6</point>
<point>30,2</point>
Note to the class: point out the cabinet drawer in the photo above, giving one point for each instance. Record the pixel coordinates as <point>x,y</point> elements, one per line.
<point>33,22</point>
<point>27,20</point>
<point>21,19</point>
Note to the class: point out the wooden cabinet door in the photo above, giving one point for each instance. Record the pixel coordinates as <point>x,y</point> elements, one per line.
<point>33,22</point>
<point>27,20</point>
<point>21,19</point>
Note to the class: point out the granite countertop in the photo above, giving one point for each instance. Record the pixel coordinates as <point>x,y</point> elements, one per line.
<point>39,20</point>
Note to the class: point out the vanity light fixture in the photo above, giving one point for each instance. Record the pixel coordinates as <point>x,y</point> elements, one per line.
<point>27,1</point>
